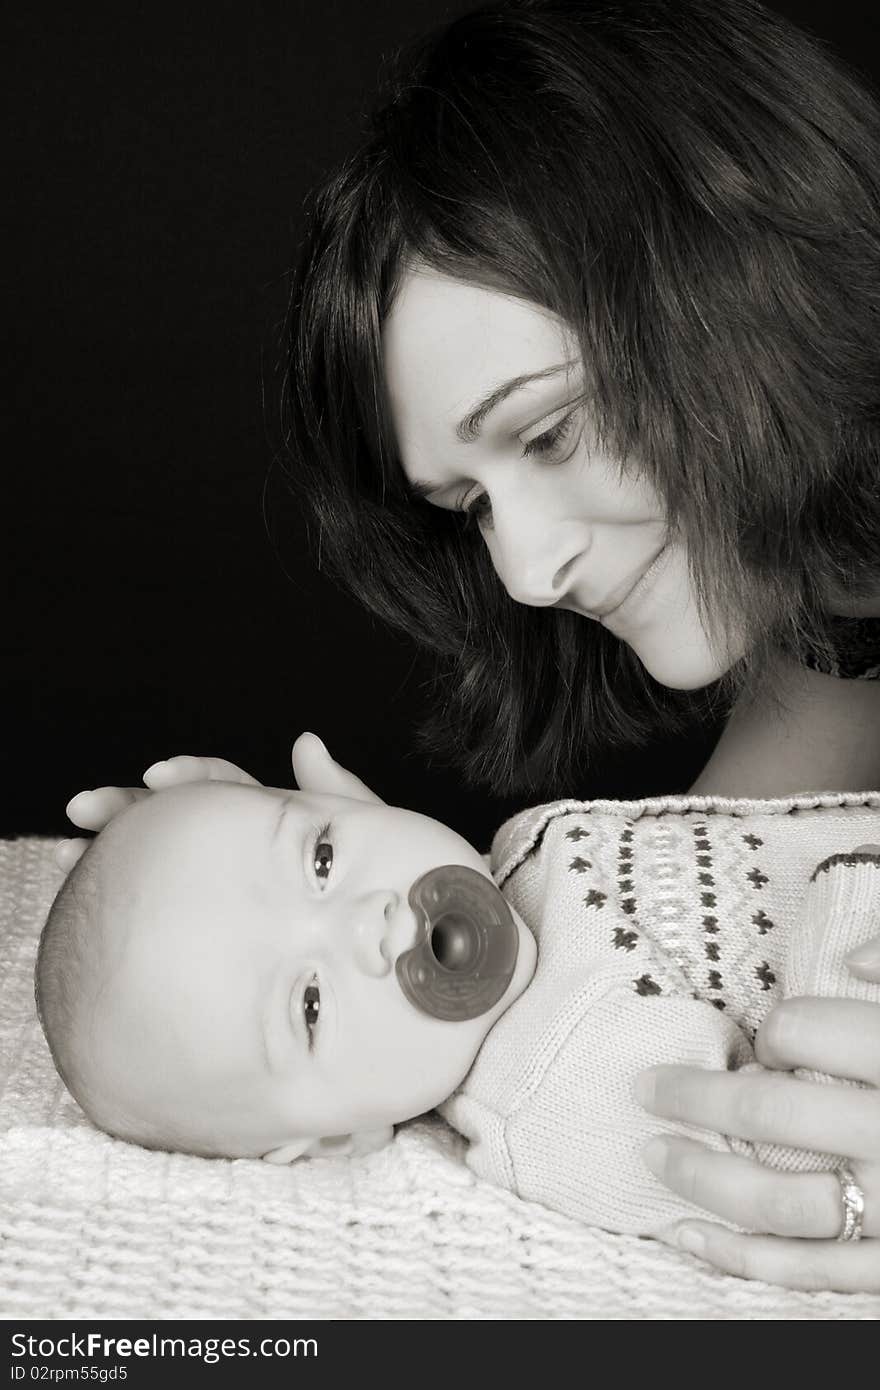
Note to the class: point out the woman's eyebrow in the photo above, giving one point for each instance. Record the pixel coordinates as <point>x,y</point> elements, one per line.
<point>469,428</point>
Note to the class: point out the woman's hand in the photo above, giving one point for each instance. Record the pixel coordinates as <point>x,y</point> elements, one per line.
<point>801,1213</point>
<point>92,810</point>
<point>313,770</point>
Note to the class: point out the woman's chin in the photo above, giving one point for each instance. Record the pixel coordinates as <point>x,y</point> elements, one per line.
<point>662,625</point>
<point>690,666</point>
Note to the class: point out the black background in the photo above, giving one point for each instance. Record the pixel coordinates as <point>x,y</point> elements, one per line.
<point>159,598</point>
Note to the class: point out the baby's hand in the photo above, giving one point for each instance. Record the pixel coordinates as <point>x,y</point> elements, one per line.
<point>92,810</point>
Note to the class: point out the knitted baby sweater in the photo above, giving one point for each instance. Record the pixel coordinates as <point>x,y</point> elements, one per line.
<point>666,929</point>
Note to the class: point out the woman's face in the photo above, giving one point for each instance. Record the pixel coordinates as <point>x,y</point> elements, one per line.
<point>483,391</point>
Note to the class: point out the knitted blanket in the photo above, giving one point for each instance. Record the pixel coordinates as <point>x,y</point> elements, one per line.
<point>94,1228</point>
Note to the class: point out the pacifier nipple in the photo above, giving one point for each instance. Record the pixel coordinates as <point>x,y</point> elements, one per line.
<point>465,953</point>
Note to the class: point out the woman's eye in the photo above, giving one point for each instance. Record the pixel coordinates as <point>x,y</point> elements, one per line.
<point>555,445</point>
<point>311,1008</point>
<point>479,511</point>
<point>551,444</point>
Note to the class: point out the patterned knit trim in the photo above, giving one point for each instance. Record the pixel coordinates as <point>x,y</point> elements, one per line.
<point>523,833</point>
<point>850,860</point>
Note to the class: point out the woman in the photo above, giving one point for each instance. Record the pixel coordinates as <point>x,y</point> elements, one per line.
<point>605,281</point>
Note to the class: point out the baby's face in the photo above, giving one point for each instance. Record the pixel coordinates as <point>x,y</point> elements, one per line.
<point>250,995</point>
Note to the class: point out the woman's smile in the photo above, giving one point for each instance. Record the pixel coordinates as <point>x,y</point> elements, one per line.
<point>620,598</point>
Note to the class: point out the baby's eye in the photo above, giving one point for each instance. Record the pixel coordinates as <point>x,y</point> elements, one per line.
<point>311,1008</point>
<point>323,856</point>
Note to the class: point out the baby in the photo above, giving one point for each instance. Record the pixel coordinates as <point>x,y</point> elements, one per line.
<point>242,971</point>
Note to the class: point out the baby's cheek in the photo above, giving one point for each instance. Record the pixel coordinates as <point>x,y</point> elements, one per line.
<point>463,1052</point>
<point>444,1056</point>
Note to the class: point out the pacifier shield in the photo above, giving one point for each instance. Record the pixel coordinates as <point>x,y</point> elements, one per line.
<point>465,954</point>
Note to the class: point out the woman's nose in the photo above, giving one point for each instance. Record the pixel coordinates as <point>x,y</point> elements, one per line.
<point>374,917</point>
<point>535,563</point>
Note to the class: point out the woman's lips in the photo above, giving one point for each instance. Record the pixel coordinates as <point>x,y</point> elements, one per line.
<point>644,576</point>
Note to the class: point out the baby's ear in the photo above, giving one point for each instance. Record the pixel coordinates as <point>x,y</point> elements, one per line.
<point>316,771</point>
<point>336,1145</point>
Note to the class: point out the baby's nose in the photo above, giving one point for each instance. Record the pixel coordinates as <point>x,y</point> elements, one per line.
<point>375,913</point>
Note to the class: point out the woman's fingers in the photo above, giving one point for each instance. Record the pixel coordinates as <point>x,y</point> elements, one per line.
<point>840,1037</point>
<point>172,772</point>
<point>69,852</point>
<point>750,1195</point>
<point>837,1266</point>
<point>316,770</point>
<point>92,810</point>
<point>865,962</point>
<point>767,1107</point>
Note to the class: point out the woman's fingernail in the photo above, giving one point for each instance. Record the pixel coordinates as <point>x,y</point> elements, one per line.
<point>867,956</point>
<point>687,1238</point>
<point>645,1087</point>
<point>654,1156</point>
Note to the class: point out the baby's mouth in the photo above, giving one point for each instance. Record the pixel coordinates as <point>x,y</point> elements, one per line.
<point>466,945</point>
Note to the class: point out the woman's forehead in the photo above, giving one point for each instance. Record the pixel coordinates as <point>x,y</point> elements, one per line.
<point>448,343</point>
<point>429,307</point>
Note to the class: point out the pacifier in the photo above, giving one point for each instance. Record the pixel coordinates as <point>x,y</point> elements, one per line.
<point>468,941</point>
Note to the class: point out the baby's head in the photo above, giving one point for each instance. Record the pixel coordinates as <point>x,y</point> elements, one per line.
<point>218,974</point>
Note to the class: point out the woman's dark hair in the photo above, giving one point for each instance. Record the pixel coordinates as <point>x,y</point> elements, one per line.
<point>692,186</point>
